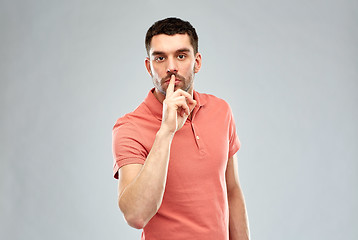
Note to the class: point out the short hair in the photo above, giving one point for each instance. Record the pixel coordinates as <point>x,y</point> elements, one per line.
<point>172,26</point>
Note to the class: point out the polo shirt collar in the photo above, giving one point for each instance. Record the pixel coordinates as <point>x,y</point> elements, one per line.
<point>156,107</point>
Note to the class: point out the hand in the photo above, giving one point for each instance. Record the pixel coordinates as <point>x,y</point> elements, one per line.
<point>177,107</point>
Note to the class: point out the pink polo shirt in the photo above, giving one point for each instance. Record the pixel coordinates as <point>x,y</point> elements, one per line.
<point>195,202</point>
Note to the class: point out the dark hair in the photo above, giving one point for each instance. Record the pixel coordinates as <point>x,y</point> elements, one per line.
<point>172,26</point>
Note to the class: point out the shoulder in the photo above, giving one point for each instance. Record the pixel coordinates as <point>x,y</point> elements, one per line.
<point>130,120</point>
<point>214,107</point>
<point>212,101</point>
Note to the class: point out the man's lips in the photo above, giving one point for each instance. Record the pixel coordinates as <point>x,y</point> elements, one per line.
<point>176,81</point>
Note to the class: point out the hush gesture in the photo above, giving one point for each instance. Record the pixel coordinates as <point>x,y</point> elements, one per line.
<point>177,107</point>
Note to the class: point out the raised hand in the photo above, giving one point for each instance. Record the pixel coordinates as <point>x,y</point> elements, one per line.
<point>177,107</point>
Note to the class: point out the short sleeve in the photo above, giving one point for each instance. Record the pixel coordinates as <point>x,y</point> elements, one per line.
<point>126,146</point>
<point>234,142</point>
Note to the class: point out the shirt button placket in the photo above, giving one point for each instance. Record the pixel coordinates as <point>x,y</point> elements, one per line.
<point>197,138</point>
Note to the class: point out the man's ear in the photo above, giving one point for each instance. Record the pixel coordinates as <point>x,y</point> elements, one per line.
<point>197,65</point>
<point>147,66</point>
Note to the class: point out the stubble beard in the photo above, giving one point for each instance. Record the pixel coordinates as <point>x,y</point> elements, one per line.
<point>185,87</point>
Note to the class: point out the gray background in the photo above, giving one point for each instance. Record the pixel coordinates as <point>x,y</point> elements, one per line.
<point>69,69</point>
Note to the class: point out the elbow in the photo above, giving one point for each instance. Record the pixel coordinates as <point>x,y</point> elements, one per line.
<point>135,222</point>
<point>133,219</point>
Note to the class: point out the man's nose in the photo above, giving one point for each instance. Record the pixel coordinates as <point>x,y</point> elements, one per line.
<point>172,66</point>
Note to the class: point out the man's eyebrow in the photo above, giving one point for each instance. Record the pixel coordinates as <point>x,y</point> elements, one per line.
<point>183,50</point>
<point>157,53</point>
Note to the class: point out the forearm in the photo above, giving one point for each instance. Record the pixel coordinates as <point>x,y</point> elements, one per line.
<point>142,198</point>
<point>238,221</point>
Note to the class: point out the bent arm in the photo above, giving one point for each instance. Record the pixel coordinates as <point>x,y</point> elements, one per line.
<point>238,221</point>
<point>141,188</point>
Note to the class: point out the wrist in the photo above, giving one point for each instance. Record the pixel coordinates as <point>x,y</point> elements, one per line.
<point>164,132</point>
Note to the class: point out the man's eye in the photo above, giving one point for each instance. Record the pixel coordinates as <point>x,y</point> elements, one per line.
<point>181,56</point>
<point>159,59</point>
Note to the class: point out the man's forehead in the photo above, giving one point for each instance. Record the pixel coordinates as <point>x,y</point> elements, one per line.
<point>170,43</point>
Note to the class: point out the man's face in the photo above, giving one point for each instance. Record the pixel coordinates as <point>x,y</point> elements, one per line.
<point>172,55</point>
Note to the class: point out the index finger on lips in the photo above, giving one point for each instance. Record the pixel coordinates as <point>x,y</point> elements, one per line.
<point>171,85</point>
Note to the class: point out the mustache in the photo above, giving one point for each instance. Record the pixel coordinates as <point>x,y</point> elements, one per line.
<point>166,78</point>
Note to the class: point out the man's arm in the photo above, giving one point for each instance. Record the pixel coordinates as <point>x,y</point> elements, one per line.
<point>141,188</point>
<point>238,221</point>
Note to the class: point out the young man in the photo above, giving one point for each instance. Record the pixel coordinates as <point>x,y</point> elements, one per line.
<point>176,153</point>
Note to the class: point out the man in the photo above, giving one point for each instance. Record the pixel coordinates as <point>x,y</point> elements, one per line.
<point>176,153</point>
